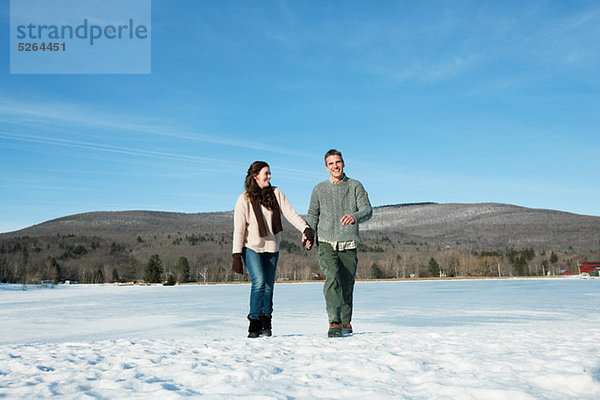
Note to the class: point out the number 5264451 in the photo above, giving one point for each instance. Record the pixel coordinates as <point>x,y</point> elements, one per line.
<point>50,46</point>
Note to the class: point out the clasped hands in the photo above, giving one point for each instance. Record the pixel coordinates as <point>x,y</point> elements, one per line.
<point>308,238</point>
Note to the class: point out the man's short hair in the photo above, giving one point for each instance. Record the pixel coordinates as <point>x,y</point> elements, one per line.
<point>333,152</point>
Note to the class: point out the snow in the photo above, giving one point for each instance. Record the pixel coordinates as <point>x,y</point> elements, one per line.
<point>455,339</point>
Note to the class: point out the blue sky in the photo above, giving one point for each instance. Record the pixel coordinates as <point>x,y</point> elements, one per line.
<point>459,101</point>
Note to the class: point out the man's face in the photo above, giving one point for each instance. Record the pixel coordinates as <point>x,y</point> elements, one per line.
<point>335,166</point>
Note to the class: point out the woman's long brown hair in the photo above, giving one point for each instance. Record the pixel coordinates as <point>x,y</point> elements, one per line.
<point>265,196</point>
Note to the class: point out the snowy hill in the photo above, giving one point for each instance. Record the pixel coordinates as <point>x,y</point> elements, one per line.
<point>489,225</point>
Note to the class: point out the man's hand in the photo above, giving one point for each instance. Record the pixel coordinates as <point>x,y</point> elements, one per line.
<point>306,243</point>
<point>348,219</point>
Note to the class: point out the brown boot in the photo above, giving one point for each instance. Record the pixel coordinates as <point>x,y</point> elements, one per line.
<point>347,329</point>
<point>335,329</point>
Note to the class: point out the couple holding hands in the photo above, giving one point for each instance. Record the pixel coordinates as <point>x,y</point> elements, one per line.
<point>337,206</point>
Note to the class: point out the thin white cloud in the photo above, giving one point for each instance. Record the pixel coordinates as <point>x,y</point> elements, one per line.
<point>106,148</point>
<point>426,72</point>
<point>138,152</point>
<point>42,115</point>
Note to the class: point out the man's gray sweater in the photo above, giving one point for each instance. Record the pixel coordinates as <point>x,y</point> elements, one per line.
<point>330,202</point>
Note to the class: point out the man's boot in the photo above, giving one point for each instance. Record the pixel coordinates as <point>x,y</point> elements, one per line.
<point>347,329</point>
<point>335,329</point>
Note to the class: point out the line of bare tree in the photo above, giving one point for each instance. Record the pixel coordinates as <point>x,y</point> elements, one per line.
<point>178,257</point>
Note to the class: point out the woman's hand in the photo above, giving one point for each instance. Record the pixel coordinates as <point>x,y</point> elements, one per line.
<point>236,266</point>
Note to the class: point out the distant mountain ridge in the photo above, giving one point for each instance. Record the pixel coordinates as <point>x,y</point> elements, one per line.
<point>489,225</point>
<point>482,225</point>
<point>121,222</point>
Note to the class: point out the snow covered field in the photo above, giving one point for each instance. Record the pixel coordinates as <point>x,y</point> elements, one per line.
<point>468,339</point>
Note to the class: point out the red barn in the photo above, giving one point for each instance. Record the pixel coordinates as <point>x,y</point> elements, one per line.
<point>592,268</point>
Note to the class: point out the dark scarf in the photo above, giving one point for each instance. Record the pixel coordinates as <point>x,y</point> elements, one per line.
<point>275,217</point>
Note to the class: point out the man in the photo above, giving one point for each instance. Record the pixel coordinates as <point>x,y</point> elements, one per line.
<point>337,206</point>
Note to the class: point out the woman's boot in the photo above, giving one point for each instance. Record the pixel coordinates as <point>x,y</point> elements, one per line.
<point>266,325</point>
<point>255,328</point>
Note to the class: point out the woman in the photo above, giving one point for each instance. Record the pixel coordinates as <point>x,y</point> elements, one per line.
<point>256,236</point>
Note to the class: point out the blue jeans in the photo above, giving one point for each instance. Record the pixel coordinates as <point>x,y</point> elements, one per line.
<point>262,268</point>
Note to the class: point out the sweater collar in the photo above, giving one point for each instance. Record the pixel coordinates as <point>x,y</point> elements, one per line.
<point>344,179</point>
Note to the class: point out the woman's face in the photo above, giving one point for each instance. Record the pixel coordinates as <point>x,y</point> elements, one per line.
<point>263,178</point>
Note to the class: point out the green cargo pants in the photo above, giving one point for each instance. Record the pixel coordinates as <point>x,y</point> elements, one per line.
<point>339,268</point>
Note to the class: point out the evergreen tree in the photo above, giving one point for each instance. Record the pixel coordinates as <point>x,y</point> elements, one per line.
<point>375,271</point>
<point>433,267</point>
<point>553,257</point>
<point>520,266</point>
<point>153,269</point>
<point>182,270</point>
<point>54,272</point>
<point>131,270</point>
<point>529,253</point>
<point>115,275</point>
